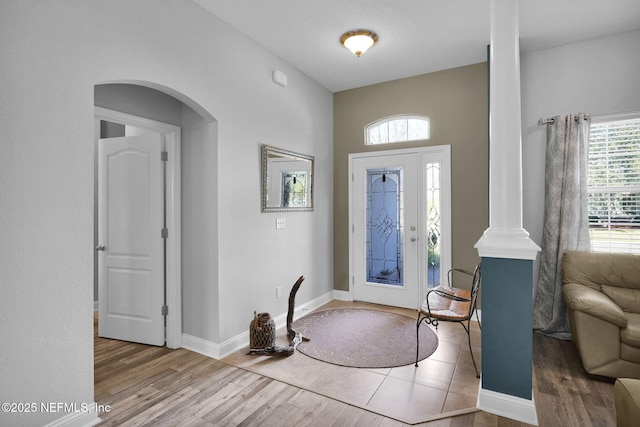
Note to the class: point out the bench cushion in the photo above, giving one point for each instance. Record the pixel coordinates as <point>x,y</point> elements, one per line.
<point>446,308</point>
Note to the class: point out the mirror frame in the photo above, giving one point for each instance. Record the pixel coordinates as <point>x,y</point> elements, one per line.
<point>268,150</point>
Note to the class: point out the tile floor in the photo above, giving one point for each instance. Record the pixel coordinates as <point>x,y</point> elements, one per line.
<point>444,384</point>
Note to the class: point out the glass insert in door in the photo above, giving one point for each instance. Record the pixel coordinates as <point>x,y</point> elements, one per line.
<point>385,226</point>
<point>434,230</point>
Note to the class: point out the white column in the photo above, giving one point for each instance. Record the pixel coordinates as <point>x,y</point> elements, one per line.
<point>505,245</point>
<point>505,237</point>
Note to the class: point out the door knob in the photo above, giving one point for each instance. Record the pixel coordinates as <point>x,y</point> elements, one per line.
<point>413,239</point>
<point>100,248</point>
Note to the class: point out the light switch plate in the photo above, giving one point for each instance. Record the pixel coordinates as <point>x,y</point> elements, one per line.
<point>281,223</point>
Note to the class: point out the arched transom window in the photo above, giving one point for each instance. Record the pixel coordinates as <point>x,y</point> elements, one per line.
<point>397,129</point>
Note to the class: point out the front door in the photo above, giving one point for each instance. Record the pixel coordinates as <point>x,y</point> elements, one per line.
<point>131,246</point>
<point>386,230</point>
<point>400,221</point>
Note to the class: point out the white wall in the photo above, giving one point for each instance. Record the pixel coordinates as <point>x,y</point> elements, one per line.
<point>53,53</point>
<point>200,243</point>
<point>598,76</point>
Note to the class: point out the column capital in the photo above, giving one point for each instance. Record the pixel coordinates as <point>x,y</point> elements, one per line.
<point>513,243</point>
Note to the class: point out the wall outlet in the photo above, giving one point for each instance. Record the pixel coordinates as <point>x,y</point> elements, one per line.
<point>281,223</point>
<point>278,291</point>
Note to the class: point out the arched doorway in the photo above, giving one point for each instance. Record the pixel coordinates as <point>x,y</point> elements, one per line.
<point>150,107</point>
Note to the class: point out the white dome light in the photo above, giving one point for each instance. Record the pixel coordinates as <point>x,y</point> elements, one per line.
<point>358,41</point>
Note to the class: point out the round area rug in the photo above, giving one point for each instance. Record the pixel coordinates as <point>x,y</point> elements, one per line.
<point>363,338</point>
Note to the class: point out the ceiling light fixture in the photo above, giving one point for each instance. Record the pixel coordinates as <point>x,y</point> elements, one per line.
<point>358,41</point>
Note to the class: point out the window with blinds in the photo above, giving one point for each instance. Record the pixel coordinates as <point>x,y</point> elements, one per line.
<point>614,185</point>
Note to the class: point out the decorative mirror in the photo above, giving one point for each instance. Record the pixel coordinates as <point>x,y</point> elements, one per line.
<point>287,180</point>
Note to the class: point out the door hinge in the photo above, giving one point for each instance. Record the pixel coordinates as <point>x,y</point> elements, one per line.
<point>164,233</point>
<point>353,228</point>
<point>165,310</point>
<point>164,156</point>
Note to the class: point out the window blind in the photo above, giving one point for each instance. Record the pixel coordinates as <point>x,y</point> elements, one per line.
<point>614,186</point>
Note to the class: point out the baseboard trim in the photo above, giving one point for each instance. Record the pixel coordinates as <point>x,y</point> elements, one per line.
<point>202,346</point>
<point>505,405</point>
<point>221,350</point>
<point>342,295</point>
<point>77,419</point>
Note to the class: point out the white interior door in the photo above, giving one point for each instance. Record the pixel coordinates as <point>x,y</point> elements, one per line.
<point>386,230</point>
<point>131,249</point>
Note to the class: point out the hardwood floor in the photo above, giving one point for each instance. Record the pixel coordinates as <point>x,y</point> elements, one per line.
<point>564,391</point>
<point>156,386</point>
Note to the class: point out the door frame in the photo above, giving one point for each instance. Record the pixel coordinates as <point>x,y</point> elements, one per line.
<point>443,151</point>
<point>171,134</point>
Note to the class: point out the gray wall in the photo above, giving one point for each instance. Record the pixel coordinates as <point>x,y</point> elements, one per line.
<point>139,101</point>
<point>456,102</point>
<point>200,246</point>
<point>599,76</point>
<point>59,51</point>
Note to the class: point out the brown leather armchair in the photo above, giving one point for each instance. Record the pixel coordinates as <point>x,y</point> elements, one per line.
<point>627,401</point>
<point>602,294</point>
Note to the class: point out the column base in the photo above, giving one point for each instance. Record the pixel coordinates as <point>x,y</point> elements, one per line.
<point>508,406</point>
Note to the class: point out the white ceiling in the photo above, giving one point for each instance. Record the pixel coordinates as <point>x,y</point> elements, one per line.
<point>415,36</point>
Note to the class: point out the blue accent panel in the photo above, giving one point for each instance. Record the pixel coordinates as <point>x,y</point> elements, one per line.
<point>507,307</point>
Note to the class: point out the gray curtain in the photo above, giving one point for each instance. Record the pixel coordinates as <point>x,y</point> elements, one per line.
<point>566,222</point>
